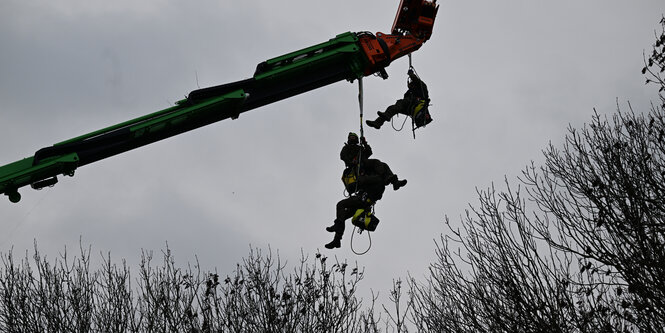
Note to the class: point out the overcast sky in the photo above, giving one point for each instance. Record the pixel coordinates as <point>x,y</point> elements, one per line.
<point>505,78</point>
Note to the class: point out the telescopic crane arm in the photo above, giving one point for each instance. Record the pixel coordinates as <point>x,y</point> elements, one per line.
<point>348,56</point>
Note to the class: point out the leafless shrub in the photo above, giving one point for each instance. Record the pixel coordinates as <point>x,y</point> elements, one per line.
<point>65,295</point>
<point>578,246</point>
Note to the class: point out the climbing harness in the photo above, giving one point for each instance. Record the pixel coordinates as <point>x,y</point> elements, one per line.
<point>418,119</point>
<point>420,116</point>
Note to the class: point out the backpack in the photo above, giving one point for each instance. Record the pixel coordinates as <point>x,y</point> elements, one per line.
<point>421,116</point>
<point>364,219</point>
<point>349,180</point>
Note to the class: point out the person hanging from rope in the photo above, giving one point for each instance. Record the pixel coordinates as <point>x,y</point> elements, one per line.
<point>414,104</point>
<point>368,190</point>
<point>365,180</point>
<point>377,167</point>
<point>356,152</point>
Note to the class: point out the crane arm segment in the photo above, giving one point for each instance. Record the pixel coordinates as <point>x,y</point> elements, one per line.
<point>348,56</point>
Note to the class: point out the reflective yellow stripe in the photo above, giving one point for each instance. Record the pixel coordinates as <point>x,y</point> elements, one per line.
<point>368,218</point>
<point>349,179</point>
<point>419,106</point>
<point>357,214</point>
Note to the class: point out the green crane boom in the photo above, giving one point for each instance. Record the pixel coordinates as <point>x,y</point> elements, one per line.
<point>348,56</point>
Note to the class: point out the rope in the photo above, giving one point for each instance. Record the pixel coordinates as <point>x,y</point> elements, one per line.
<point>368,247</point>
<point>392,123</point>
<point>362,135</point>
<point>25,218</point>
<point>360,103</point>
<point>413,121</point>
<point>362,132</point>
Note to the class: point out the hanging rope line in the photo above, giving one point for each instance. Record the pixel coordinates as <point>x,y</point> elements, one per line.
<point>360,103</point>
<point>392,123</point>
<point>25,217</point>
<point>362,131</point>
<point>368,247</point>
<point>362,135</point>
<point>413,123</point>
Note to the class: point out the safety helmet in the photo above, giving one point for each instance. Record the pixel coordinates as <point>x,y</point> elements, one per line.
<point>353,137</point>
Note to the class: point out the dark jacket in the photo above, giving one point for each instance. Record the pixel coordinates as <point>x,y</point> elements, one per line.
<point>417,89</point>
<point>372,186</point>
<point>351,152</point>
<point>369,184</point>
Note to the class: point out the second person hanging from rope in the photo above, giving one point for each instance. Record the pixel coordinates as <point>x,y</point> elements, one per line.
<point>365,180</point>
<point>415,104</point>
<point>356,152</point>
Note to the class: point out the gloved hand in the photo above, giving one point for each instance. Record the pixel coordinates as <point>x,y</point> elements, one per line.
<point>363,140</point>
<point>410,73</point>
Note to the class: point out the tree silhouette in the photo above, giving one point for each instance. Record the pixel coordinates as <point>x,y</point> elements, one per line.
<point>66,295</point>
<point>654,64</point>
<point>577,246</point>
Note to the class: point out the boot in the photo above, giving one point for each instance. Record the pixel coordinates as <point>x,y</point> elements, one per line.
<point>374,123</point>
<point>336,242</point>
<point>337,226</point>
<point>382,115</point>
<point>333,227</point>
<point>398,184</point>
